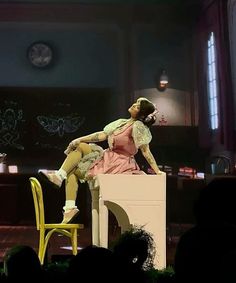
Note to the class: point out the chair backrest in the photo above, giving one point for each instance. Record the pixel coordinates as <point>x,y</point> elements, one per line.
<point>38,202</point>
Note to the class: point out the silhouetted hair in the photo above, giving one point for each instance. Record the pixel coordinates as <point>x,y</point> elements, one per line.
<point>136,247</point>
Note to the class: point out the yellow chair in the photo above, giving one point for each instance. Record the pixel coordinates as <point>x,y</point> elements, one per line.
<point>46,230</point>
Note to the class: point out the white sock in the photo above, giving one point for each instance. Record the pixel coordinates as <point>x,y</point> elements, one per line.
<point>61,173</point>
<point>69,204</point>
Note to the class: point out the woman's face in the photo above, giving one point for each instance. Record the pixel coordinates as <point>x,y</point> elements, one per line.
<point>134,109</point>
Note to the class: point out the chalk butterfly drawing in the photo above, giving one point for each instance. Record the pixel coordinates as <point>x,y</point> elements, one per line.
<point>60,125</point>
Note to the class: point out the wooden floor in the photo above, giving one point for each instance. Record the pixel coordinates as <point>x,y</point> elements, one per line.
<point>60,245</point>
<point>28,235</point>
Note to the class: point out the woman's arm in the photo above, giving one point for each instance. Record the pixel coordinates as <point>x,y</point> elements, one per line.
<point>150,159</point>
<point>95,137</point>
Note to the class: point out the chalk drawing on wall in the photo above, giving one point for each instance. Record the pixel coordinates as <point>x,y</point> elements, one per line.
<point>10,119</point>
<point>55,125</point>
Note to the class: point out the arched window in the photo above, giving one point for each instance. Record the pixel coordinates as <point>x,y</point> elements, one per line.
<point>212,83</point>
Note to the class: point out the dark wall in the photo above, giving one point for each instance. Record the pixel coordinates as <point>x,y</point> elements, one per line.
<point>37,124</point>
<point>177,146</point>
<point>123,47</point>
<point>116,47</point>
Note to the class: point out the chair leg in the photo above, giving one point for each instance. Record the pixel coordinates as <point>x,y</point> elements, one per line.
<point>74,241</point>
<point>41,252</point>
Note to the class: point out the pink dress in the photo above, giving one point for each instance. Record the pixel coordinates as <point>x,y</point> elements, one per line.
<point>119,159</point>
<point>124,140</point>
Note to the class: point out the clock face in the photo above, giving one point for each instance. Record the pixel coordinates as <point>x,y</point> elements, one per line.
<point>40,54</point>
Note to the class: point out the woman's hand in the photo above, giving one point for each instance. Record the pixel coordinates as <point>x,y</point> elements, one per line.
<point>74,143</point>
<point>95,137</point>
<point>72,146</point>
<point>160,172</point>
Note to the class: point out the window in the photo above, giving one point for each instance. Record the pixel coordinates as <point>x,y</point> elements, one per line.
<point>212,83</point>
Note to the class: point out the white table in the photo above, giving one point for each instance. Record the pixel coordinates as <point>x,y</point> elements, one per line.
<point>134,200</point>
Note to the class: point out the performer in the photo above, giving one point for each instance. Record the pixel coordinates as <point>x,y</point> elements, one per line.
<point>85,159</point>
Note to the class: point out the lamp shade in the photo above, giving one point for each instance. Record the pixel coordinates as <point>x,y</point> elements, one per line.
<point>163,78</point>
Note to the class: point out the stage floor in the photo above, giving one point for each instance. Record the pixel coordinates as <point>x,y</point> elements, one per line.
<point>60,245</point>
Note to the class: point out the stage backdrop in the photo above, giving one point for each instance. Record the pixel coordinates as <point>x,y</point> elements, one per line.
<point>36,124</point>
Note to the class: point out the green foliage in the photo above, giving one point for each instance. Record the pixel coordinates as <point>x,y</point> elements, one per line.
<point>58,266</point>
<point>164,275</point>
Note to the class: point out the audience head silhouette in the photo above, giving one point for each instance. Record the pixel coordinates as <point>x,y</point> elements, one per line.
<point>132,254</point>
<point>216,202</point>
<point>22,263</point>
<point>204,249</point>
<point>135,250</point>
<point>93,264</point>
<point>136,247</point>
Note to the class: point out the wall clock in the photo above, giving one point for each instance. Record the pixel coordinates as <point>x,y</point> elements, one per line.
<point>40,54</point>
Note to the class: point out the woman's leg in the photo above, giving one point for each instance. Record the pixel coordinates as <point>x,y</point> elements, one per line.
<point>70,207</point>
<point>71,185</point>
<point>69,172</point>
<point>69,165</point>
